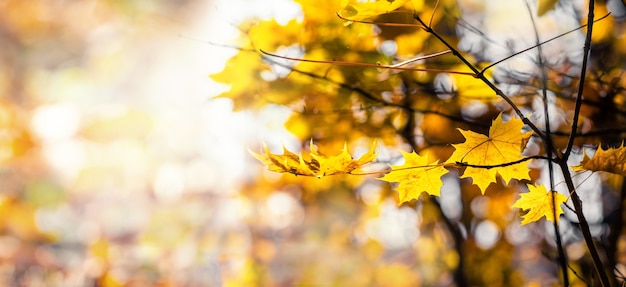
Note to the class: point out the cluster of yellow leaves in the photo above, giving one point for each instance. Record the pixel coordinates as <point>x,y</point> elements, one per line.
<point>484,157</point>
<point>314,163</point>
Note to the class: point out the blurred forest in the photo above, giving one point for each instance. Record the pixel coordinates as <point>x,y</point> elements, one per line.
<point>120,169</point>
<point>117,167</point>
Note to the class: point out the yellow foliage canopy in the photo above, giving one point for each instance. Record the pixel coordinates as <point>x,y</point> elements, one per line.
<point>487,156</point>
<point>538,202</point>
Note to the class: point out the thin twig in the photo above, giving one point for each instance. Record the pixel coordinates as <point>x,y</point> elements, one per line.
<point>379,66</point>
<point>539,44</point>
<point>371,97</point>
<point>481,76</point>
<point>419,58</point>
<point>430,23</point>
<point>549,148</point>
<point>584,226</point>
<point>459,163</point>
<point>581,83</point>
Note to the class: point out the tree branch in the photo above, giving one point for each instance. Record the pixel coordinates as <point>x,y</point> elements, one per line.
<point>478,74</point>
<point>549,148</point>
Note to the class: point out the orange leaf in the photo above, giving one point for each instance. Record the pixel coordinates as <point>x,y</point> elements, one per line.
<point>612,160</point>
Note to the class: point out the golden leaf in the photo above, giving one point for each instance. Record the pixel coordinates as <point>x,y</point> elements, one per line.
<point>538,202</point>
<point>341,163</point>
<point>313,163</point>
<point>490,155</point>
<point>612,160</point>
<point>287,162</point>
<point>415,176</point>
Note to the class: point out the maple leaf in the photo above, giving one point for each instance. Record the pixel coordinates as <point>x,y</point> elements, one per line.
<point>287,162</point>
<point>612,160</point>
<point>415,176</point>
<point>314,163</point>
<point>341,163</point>
<point>538,202</point>
<point>504,145</point>
<point>360,10</point>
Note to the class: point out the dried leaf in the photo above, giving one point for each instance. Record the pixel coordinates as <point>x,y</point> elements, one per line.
<point>612,160</point>
<point>313,163</point>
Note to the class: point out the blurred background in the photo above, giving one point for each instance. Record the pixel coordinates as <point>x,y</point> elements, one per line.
<point>118,167</point>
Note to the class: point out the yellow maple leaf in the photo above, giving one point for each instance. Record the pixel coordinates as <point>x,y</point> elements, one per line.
<point>287,162</point>
<point>313,163</point>
<point>341,163</point>
<point>491,155</point>
<point>360,10</point>
<point>415,176</point>
<point>612,160</point>
<point>538,202</point>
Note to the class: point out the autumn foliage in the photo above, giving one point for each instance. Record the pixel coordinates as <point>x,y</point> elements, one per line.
<point>453,102</point>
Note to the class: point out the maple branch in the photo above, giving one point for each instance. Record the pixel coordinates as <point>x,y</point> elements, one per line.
<point>591,133</point>
<point>430,23</point>
<point>478,74</point>
<point>408,132</point>
<point>379,66</point>
<point>539,44</point>
<point>581,83</point>
<point>420,58</point>
<point>464,164</point>
<point>369,96</point>
<point>584,226</point>
<point>549,148</point>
